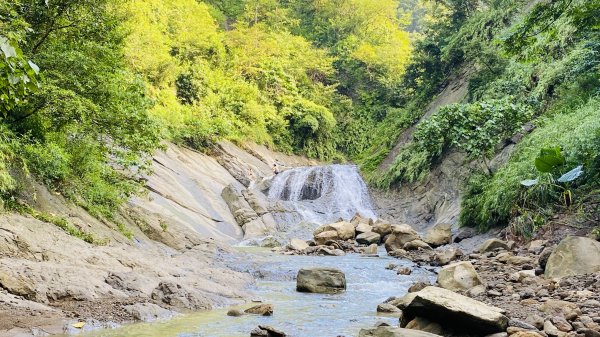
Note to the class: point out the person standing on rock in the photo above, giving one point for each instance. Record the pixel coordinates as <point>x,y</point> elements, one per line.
<point>275,169</point>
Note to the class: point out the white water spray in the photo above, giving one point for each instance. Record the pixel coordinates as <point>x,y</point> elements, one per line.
<point>323,194</point>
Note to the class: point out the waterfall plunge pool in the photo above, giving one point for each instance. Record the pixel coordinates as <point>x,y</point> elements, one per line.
<point>297,314</point>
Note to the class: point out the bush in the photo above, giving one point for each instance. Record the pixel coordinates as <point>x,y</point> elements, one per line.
<point>495,200</point>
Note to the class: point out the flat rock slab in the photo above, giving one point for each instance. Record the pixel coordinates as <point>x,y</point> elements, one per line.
<point>320,280</point>
<point>388,331</point>
<point>455,311</point>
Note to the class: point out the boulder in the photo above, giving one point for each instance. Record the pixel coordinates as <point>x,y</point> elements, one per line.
<point>297,244</point>
<point>438,235</point>
<point>261,309</point>
<point>574,255</point>
<point>363,228</point>
<point>401,234</point>
<point>388,331</point>
<point>371,250</point>
<point>403,302</point>
<point>266,331</point>
<point>344,230</point>
<point>320,280</point>
<point>382,228</point>
<point>368,238</point>
<point>323,237</point>
<point>492,244</point>
<point>415,245</point>
<point>442,258</point>
<point>455,311</point>
<point>458,276</point>
<point>465,233</point>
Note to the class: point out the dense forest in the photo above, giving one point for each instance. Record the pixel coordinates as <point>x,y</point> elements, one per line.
<point>90,89</point>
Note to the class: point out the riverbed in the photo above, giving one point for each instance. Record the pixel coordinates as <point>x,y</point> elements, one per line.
<point>298,314</point>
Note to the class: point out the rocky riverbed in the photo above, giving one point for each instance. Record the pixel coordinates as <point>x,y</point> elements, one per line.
<point>545,287</point>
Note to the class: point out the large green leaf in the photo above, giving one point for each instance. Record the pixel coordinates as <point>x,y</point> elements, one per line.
<point>549,159</point>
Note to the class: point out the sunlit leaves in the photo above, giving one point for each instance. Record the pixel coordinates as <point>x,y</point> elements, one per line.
<point>18,77</point>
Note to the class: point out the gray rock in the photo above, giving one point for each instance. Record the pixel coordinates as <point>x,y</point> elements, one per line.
<point>368,238</point>
<point>266,331</point>
<point>458,276</point>
<point>446,256</point>
<point>401,234</point>
<point>386,331</point>
<point>260,309</point>
<point>455,310</point>
<point>387,308</point>
<point>297,244</point>
<point>416,244</point>
<point>492,244</point>
<point>574,255</point>
<point>438,235</point>
<point>320,280</point>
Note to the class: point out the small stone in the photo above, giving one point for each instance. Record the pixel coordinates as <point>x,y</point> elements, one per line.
<point>561,324</point>
<point>550,329</point>
<point>521,324</point>
<point>535,320</point>
<point>417,286</point>
<point>404,271</point>
<point>387,308</point>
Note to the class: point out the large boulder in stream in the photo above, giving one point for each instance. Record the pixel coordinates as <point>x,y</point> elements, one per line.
<point>574,255</point>
<point>320,280</point>
<point>388,331</point>
<point>401,234</point>
<point>455,312</point>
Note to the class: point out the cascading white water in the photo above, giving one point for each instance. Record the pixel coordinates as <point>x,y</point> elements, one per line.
<point>322,194</point>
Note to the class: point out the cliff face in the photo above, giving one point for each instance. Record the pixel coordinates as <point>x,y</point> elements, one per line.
<point>176,259</point>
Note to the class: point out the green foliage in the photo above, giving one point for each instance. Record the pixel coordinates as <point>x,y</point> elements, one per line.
<point>496,200</point>
<point>18,77</point>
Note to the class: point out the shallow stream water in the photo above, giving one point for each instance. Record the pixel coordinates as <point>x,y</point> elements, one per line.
<point>298,314</point>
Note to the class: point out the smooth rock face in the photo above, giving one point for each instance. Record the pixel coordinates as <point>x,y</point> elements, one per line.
<point>455,310</point>
<point>368,238</point>
<point>438,235</point>
<point>320,280</point>
<point>382,228</point>
<point>491,244</point>
<point>458,276</point>
<point>574,255</point>
<point>388,331</point>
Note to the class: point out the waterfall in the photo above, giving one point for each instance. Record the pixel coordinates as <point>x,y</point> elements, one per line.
<point>322,194</point>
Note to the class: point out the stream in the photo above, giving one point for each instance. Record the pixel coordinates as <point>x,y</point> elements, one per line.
<point>298,314</point>
<point>313,196</point>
